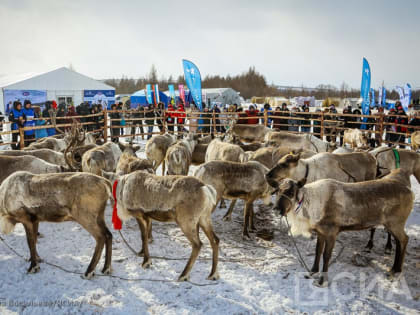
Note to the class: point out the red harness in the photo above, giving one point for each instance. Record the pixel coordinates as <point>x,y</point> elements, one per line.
<point>116,221</point>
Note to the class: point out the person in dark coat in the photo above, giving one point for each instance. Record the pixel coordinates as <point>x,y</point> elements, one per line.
<point>402,122</point>
<point>317,123</point>
<point>283,121</point>
<point>149,113</point>
<point>206,117</point>
<point>306,123</point>
<point>356,111</point>
<point>137,114</point>
<point>30,122</point>
<point>18,118</point>
<point>1,125</point>
<point>115,123</point>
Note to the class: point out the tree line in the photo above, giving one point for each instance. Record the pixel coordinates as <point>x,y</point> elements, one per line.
<point>250,83</point>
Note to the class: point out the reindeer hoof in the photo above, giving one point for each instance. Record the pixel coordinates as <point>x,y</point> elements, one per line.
<point>388,251</point>
<point>321,283</point>
<point>392,275</point>
<point>40,235</point>
<point>214,276</point>
<point>146,264</point>
<point>246,237</point>
<point>150,239</point>
<point>88,275</point>
<point>184,278</point>
<point>107,271</point>
<point>140,253</point>
<point>227,218</point>
<point>34,269</point>
<point>311,275</point>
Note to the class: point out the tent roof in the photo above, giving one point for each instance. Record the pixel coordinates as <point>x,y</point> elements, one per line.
<point>58,79</point>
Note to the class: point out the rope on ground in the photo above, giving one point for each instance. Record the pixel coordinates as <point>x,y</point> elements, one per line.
<point>202,259</point>
<point>101,275</point>
<point>300,258</point>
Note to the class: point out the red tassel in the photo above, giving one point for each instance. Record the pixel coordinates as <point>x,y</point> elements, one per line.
<point>116,221</point>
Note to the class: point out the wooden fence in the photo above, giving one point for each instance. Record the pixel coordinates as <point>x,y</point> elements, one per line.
<point>324,125</point>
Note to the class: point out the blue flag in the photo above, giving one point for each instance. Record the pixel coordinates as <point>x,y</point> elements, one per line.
<point>372,98</point>
<point>364,90</point>
<point>407,97</point>
<point>383,96</point>
<point>171,89</point>
<point>149,94</point>
<point>193,80</point>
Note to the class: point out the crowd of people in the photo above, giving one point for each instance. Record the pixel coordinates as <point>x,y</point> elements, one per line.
<point>141,120</point>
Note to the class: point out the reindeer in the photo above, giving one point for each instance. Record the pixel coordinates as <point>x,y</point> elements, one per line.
<point>328,207</point>
<point>234,180</point>
<point>179,156</point>
<point>29,199</point>
<point>183,199</point>
<point>156,148</point>
<point>299,141</point>
<point>47,155</point>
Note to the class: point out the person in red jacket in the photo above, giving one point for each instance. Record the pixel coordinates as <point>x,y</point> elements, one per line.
<point>251,112</point>
<point>180,121</point>
<point>170,118</point>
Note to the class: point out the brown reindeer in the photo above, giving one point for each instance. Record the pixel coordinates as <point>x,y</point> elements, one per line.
<point>328,207</point>
<point>29,199</point>
<point>183,199</point>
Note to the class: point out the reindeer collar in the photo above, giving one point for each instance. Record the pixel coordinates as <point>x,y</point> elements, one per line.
<point>299,206</point>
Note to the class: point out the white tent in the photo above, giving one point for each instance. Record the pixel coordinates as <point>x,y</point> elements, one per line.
<point>61,85</point>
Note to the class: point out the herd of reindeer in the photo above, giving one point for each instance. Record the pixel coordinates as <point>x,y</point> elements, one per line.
<point>320,188</point>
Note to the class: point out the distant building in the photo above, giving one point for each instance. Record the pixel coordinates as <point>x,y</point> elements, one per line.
<point>62,85</point>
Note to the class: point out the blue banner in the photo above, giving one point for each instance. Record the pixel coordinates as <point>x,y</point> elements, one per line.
<point>380,96</point>
<point>102,97</point>
<point>171,89</point>
<point>149,97</point>
<point>156,87</point>
<point>193,80</point>
<point>383,96</point>
<point>35,96</point>
<point>407,97</point>
<point>364,90</point>
<point>372,98</point>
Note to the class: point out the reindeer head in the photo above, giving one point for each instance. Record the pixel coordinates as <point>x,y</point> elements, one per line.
<point>283,169</point>
<point>287,195</point>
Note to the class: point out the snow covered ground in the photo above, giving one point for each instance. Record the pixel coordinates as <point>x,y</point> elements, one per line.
<point>257,276</point>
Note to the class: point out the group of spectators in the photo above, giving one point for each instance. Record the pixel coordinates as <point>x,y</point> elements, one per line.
<point>396,124</point>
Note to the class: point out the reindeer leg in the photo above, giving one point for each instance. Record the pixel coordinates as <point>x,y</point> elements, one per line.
<point>31,239</point>
<point>36,225</point>
<point>329,246</point>
<point>320,244</point>
<point>388,247</point>
<point>142,221</point>
<point>228,214</point>
<point>251,219</point>
<point>190,230</point>
<point>245,233</point>
<point>206,225</point>
<point>108,248</point>
<point>222,203</point>
<point>149,228</point>
<point>163,167</point>
<point>401,240</point>
<point>100,236</point>
<point>369,245</point>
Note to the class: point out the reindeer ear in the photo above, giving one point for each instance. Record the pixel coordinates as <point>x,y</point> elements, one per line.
<point>136,148</point>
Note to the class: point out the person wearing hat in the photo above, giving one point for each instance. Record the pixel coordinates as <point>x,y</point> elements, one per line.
<point>18,118</point>
<point>390,128</point>
<point>30,122</point>
<point>115,123</point>
<point>402,122</point>
<point>253,115</point>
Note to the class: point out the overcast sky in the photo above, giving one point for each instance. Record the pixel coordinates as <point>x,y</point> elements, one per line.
<point>290,42</point>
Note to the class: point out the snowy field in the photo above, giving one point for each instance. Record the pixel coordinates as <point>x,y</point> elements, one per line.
<point>257,276</point>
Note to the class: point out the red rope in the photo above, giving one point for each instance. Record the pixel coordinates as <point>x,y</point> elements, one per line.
<point>116,221</point>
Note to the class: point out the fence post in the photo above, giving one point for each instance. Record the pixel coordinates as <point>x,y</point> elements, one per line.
<point>21,138</point>
<point>322,126</point>
<point>381,128</point>
<point>214,121</point>
<point>105,124</point>
<point>265,117</point>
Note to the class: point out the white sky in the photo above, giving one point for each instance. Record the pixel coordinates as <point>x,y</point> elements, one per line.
<point>291,42</point>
